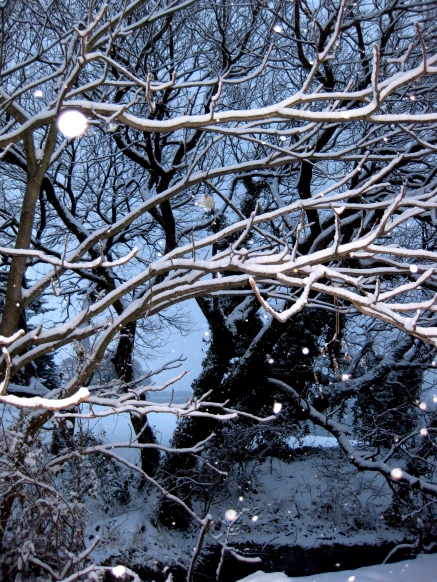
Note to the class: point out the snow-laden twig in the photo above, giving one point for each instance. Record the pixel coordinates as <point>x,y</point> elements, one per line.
<point>208,521</point>
<point>7,341</point>
<point>308,282</point>
<point>38,402</point>
<point>28,253</point>
<point>5,381</point>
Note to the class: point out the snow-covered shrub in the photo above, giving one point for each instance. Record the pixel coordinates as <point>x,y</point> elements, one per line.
<point>96,476</point>
<point>44,532</point>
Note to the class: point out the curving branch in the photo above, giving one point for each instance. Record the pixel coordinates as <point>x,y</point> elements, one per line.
<point>361,460</point>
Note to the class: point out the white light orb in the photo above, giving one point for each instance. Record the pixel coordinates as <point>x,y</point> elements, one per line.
<point>305,351</point>
<point>396,474</point>
<point>423,432</point>
<point>38,93</point>
<point>231,515</point>
<point>277,407</point>
<point>118,571</point>
<point>413,268</point>
<point>277,28</point>
<point>206,202</point>
<point>72,123</point>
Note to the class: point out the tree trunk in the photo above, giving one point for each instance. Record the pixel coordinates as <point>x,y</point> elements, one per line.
<point>123,363</point>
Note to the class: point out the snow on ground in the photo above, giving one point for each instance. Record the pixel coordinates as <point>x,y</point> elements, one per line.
<point>317,498</point>
<point>422,569</point>
<point>314,501</point>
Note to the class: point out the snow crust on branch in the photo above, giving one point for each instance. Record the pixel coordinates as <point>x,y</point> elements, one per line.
<point>35,402</point>
<point>28,253</point>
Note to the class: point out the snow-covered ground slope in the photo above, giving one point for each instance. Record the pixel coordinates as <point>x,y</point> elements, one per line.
<point>422,569</point>
<point>316,498</point>
<point>315,501</point>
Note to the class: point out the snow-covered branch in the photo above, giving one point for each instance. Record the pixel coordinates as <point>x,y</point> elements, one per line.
<point>100,262</point>
<point>362,460</point>
<point>81,395</point>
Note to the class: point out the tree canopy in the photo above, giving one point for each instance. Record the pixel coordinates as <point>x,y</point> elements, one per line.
<point>274,160</point>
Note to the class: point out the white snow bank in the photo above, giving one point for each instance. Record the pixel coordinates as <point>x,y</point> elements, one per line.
<point>422,569</point>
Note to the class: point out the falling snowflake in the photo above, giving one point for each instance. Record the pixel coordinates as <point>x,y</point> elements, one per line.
<point>396,474</point>
<point>206,202</point>
<point>277,407</point>
<point>231,515</point>
<point>72,123</point>
<point>118,571</point>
